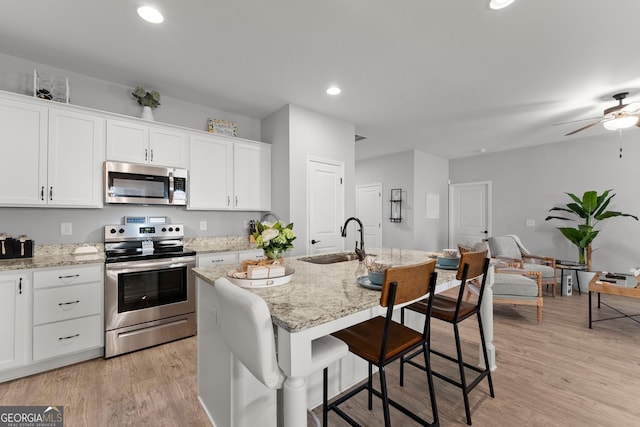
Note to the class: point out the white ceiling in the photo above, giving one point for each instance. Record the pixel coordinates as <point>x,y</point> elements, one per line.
<point>447,77</point>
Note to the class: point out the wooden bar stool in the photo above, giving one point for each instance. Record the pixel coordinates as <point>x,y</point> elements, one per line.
<point>381,341</point>
<point>472,266</point>
<point>245,324</point>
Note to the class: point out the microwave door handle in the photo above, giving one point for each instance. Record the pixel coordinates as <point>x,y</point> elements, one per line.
<point>171,187</point>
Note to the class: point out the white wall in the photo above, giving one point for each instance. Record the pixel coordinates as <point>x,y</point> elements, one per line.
<point>417,174</point>
<point>43,225</point>
<point>310,135</point>
<point>527,182</point>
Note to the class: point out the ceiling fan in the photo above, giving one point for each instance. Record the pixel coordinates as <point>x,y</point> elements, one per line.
<point>620,116</point>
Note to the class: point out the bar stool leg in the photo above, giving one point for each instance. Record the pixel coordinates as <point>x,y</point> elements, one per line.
<point>463,380</point>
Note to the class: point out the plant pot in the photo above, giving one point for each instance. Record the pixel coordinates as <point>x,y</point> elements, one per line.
<point>147,113</point>
<point>584,277</point>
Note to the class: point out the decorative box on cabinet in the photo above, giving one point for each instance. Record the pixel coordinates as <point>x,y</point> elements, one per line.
<point>67,310</point>
<point>137,142</point>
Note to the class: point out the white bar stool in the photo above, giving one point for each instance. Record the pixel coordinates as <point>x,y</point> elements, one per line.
<point>245,324</point>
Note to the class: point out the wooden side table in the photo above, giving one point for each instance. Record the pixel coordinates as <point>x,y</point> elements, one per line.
<point>602,287</point>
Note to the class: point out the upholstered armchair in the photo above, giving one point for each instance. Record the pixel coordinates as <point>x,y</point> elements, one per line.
<point>509,248</point>
<point>518,287</point>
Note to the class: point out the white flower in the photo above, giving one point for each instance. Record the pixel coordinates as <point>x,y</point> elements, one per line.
<point>269,234</point>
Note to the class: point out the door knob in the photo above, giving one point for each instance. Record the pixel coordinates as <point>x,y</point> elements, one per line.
<point>314,241</point>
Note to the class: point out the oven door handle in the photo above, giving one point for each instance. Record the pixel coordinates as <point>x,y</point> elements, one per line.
<point>171,187</point>
<point>151,264</point>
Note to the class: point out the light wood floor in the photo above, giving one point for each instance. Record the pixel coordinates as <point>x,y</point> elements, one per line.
<point>558,373</point>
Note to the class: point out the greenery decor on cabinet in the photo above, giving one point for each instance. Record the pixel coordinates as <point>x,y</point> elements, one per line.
<point>146,99</point>
<point>588,211</point>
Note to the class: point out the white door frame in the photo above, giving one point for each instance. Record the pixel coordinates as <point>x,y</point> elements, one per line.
<point>452,189</point>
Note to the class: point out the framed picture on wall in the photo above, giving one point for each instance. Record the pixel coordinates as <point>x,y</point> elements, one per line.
<point>223,127</point>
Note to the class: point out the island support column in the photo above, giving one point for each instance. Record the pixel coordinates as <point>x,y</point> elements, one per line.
<point>486,311</point>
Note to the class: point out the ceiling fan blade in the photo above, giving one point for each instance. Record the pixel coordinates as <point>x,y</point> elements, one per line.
<point>610,110</point>
<point>583,128</point>
<point>634,107</point>
<point>578,120</point>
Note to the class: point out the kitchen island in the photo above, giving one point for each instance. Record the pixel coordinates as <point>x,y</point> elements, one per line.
<point>320,299</point>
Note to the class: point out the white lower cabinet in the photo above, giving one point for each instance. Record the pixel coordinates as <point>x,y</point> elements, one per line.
<point>217,258</point>
<point>252,254</point>
<point>67,310</point>
<point>15,326</point>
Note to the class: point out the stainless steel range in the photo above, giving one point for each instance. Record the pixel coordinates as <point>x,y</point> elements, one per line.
<point>149,285</point>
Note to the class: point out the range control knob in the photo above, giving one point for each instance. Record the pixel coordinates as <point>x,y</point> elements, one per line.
<point>112,231</point>
<point>177,228</point>
<point>170,228</point>
<point>121,231</point>
<point>164,229</point>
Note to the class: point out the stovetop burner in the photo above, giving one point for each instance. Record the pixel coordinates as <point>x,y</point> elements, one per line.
<point>133,242</point>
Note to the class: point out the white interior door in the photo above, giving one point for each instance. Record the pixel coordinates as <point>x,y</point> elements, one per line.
<point>369,211</point>
<point>469,213</point>
<point>326,206</point>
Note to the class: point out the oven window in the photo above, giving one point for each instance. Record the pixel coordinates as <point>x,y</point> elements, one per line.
<point>151,288</point>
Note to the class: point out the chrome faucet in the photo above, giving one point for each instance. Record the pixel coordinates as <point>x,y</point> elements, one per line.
<point>269,214</point>
<point>359,251</point>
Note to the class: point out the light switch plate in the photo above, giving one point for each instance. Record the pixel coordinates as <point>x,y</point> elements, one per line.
<point>531,223</point>
<point>203,225</point>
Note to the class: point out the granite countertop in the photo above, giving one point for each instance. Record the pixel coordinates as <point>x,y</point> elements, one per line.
<point>321,293</point>
<point>54,256</point>
<point>205,245</point>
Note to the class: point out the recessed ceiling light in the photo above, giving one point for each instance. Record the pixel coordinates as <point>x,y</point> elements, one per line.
<point>499,4</point>
<point>150,14</point>
<point>334,90</point>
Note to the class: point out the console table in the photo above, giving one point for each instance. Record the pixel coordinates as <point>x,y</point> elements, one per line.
<point>604,287</point>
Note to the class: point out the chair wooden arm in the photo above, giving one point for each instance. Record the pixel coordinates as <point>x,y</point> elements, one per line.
<point>551,262</point>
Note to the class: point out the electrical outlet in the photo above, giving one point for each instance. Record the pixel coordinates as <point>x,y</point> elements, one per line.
<point>246,225</point>
<point>203,225</point>
<point>531,223</point>
<point>66,229</point>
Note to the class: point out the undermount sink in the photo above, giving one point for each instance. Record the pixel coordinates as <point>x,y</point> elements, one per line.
<point>330,258</point>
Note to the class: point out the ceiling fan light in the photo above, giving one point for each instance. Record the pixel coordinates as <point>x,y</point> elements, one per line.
<point>620,123</point>
<point>150,14</point>
<point>499,4</point>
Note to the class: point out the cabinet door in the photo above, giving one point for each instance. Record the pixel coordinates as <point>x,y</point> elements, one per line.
<point>210,173</point>
<point>167,147</point>
<point>23,144</point>
<point>127,141</point>
<point>252,176</point>
<point>14,325</point>
<point>76,154</point>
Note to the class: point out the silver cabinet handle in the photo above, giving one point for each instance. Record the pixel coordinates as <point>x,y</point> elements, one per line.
<point>236,201</point>
<point>69,337</point>
<point>151,159</point>
<point>68,277</point>
<point>42,193</point>
<point>51,193</point>
<point>146,153</point>
<point>228,201</point>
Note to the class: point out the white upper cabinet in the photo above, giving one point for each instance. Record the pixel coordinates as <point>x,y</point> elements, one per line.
<point>210,173</point>
<point>252,176</point>
<point>75,158</point>
<point>135,142</point>
<point>229,174</point>
<point>53,156</point>
<point>23,143</point>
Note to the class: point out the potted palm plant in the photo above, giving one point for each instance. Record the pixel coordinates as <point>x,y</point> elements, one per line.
<point>587,211</point>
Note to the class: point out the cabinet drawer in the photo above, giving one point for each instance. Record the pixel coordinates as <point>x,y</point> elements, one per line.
<point>67,276</point>
<point>254,254</point>
<point>67,302</point>
<point>56,339</point>
<point>209,260</point>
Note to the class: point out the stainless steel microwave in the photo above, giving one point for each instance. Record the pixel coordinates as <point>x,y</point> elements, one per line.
<point>144,185</point>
